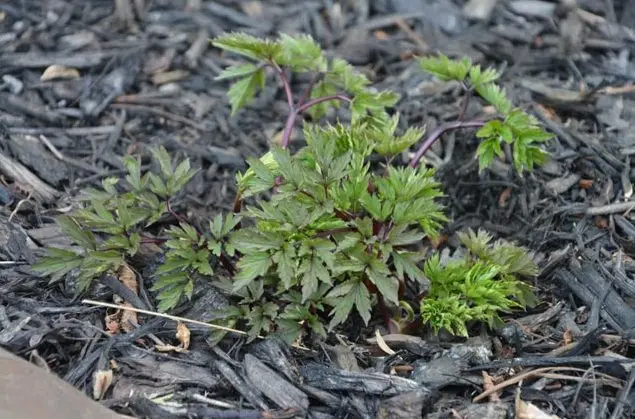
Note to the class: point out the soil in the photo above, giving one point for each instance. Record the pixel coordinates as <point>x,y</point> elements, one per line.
<point>84,83</point>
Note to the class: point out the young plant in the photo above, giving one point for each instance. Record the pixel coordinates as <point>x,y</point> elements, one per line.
<point>337,235</point>
<point>113,225</point>
<point>479,286</point>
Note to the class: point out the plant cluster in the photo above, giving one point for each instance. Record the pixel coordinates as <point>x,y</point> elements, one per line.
<point>330,233</point>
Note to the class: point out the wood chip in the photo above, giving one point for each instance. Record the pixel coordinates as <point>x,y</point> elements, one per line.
<point>59,72</point>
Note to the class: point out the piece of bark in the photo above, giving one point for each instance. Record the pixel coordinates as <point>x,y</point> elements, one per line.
<point>589,285</point>
<point>32,153</point>
<point>240,385</point>
<point>26,179</point>
<point>327,378</point>
<point>284,394</point>
<point>479,9</point>
<point>406,405</point>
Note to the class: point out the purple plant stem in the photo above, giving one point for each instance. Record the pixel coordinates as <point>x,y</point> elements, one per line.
<point>437,133</point>
<point>309,88</point>
<point>302,106</point>
<point>466,101</point>
<point>294,112</point>
<point>285,84</point>
<point>319,100</point>
<point>288,128</point>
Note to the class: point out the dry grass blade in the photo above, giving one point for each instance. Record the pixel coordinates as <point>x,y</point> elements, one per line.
<point>179,319</point>
<point>609,380</point>
<point>382,344</point>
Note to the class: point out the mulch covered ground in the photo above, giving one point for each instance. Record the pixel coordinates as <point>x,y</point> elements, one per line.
<point>141,74</point>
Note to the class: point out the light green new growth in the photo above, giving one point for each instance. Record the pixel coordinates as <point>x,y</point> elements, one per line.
<point>479,286</point>
<point>517,128</point>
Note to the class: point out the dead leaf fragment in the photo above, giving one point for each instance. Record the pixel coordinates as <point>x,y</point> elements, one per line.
<point>488,383</point>
<point>169,348</point>
<point>525,410</point>
<point>381,35</point>
<point>183,335</point>
<point>126,275</point>
<point>128,278</point>
<point>504,197</point>
<point>112,323</point>
<point>57,72</point>
<point>102,380</point>
<point>129,319</point>
<point>585,183</point>
<point>382,343</point>
<point>170,76</point>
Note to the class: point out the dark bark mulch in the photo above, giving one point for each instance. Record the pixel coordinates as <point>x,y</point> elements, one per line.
<point>142,75</point>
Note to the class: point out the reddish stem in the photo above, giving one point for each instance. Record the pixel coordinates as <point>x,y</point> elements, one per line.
<point>293,114</point>
<point>180,218</point>
<point>309,88</point>
<point>285,84</point>
<point>319,100</point>
<point>288,128</point>
<point>295,110</point>
<point>466,101</point>
<point>437,133</point>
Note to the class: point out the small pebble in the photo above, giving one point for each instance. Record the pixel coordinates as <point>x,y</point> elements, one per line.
<point>5,196</point>
<point>19,27</point>
<point>170,88</point>
<point>13,84</point>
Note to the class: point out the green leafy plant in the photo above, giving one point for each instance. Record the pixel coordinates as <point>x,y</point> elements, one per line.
<point>331,232</point>
<point>516,127</point>
<point>478,286</point>
<point>110,228</point>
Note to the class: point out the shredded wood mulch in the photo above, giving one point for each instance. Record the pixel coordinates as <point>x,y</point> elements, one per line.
<point>83,83</point>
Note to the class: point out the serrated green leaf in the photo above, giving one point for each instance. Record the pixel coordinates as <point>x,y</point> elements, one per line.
<point>169,298</point>
<point>535,135</point>
<point>286,265</point>
<point>406,264</point>
<point>495,96</point>
<point>520,121</point>
<point>341,311</point>
<point>344,74</point>
<point>237,71</point>
<point>260,176</point>
<point>183,174</point>
<point>301,53</point>
<point>445,69</point>
<point>380,276</point>
<point>366,101</point>
<point>399,236</point>
<point>162,156</point>
<point>313,271</point>
<point>70,227</point>
<point>490,129</point>
<point>250,240</point>
<point>216,226</point>
<point>478,77</point>
<point>133,166</point>
<point>242,92</point>
<point>362,301</point>
<point>250,267</point>
<point>57,263</point>
<point>248,45</point>
<point>393,145</point>
<point>487,150</point>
